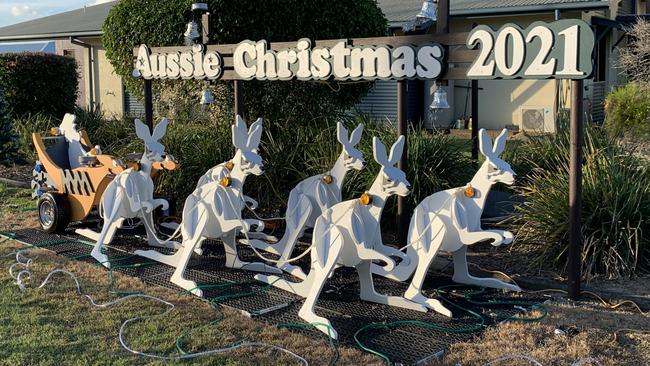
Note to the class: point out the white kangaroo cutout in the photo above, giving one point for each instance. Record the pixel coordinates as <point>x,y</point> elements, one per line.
<point>213,210</point>
<point>312,196</point>
<point>348,234</point>
<point>450,221</point>
<point>130,194</point>
<point>68,129</point>
<point>217,173</point>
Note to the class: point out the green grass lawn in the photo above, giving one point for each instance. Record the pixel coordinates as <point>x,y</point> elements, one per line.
<point>15,200</point>
<point>57,326</point>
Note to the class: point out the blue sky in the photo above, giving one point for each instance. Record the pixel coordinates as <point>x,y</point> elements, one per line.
<point>16,11</point>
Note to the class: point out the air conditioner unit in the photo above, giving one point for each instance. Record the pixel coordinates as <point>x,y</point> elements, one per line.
<point>537,119</point>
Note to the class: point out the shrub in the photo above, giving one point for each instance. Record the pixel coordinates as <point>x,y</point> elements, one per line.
<point>36,83</point>
<point>8,137</point>
<point>161,23</point>
<point>90,120</point>
<point>198,147</point>
<point>25,125</point>
<point>634,58</point>
<point>628,111</point>
<point>436,162</point>
<point>615,211</point>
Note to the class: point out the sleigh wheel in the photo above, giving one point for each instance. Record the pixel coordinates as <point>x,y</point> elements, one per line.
<point>53,212</point>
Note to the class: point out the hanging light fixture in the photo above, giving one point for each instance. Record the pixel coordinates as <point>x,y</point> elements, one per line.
<point>439,100</point>
<point>192,33</point>
<point>200,6</point>
<point>207,98</point>
<point>439,104</point>
<point>428,12</point>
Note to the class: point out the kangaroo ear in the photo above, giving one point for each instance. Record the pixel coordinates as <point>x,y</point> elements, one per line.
<point>254,138</point>
<point>341,133</point>
<point>239,133</point>
<point>160,129</point>
<point>142,130</point>
<point>396,150</point>
<point>255,125</point>
<point>500,143</point>
<point>379,151</point>
<point>484,143</point>
<point>355,137</point>
<point>68,127</point>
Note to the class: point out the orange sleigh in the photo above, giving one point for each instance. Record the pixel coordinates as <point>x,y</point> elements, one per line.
<point>69,191</point>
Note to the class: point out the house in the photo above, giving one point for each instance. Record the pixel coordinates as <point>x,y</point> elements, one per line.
<point>525,103</point>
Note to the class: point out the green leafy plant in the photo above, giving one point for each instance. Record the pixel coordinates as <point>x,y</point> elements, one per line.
<point>198,147</point>
<point>161,23</point>
<point>436,161</point>
<point>89,120</point>
<point>8,137</point>
<point>628,111</point>
<point>615,211</point>
<point>26,125</point>
<point>36,83</point>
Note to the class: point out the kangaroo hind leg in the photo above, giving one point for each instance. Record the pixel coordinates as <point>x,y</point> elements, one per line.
<point>111,223</point>
<point>183,255</point>
<point>368,293</point>
<point>317,276</point>
<point>233,260</point>
<point>461,274</point>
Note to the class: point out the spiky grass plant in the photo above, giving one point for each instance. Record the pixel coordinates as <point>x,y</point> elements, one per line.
<point>24,126</point>
<point>615,211</point>
<point>436,162</point>
<point>294,153</point>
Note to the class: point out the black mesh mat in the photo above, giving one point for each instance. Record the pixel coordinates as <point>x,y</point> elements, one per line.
<point>339,301</point>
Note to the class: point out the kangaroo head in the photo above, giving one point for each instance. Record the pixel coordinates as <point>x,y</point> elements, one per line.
<point>352,158</point>
<point>393,180</point>
<point>68,128</point>
<point>247,142</point>
<point>497,169</point>
<point>154,151</point>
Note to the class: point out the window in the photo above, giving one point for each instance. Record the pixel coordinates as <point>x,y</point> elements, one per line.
<point>69,53</point>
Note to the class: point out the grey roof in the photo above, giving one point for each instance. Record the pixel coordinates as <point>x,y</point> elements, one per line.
<point>46,46</point>
<point>86,21</point>
<point>398,11</point>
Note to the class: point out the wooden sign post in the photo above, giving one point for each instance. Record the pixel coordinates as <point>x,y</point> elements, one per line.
<point>559,50</point>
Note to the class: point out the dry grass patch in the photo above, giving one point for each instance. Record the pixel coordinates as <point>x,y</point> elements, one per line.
<point>611,337</point>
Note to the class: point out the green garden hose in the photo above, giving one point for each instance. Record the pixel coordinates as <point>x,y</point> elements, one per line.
<point>214,303</point>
